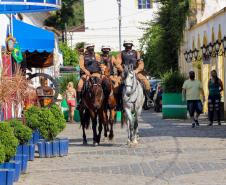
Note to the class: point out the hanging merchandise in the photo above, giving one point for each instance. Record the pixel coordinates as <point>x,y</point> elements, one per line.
<point>17,54</point>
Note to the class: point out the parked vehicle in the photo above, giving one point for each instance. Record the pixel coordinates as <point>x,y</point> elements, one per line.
<point>150,103</point>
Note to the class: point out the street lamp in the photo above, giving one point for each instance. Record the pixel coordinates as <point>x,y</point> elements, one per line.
<point>186,56</point>
<point>224,43</point>
<point>190,54</point>
<point>210,49</point>
<point>195,53</point>
<point>219,50</point>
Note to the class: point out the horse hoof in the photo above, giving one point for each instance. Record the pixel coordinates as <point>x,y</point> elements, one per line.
<point>95,144</point>
<point>135,142</point>
<point>111,137</point>
<point>128,142</point>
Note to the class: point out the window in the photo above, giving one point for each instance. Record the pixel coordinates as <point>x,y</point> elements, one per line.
<point>144,4</point>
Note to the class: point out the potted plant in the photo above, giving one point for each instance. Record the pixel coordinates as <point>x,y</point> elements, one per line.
<point>172,105</point>
<point>32,120</point>
<point>23,133</point>
<point>9,144</point>
<point>53,123</point>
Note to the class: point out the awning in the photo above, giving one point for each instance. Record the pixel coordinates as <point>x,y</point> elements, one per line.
<point>28,6</point>
<point>32,38</point>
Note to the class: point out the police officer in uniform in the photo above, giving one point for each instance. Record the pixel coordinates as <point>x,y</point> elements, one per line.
<point>89,66</point>
<point>132,57</point>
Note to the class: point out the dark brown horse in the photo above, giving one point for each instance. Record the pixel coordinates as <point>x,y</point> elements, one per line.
<point>92,107</point>
<point>109,104</point>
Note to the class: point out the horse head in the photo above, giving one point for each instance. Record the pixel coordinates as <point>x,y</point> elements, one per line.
<point>129,80</point>
<point>96,94</point>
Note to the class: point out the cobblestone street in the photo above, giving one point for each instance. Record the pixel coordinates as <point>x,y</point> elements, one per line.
<point>169,153</point>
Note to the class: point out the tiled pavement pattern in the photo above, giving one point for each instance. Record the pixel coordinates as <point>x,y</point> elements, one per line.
<point>169,153</point>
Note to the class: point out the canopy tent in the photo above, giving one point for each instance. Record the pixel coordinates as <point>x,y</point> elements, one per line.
<point>28,6</point>
<point>32,38</point>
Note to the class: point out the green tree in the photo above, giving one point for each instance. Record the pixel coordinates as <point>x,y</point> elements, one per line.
<point>163,36</point>
<point>70,56</point>
<point>71,14</point>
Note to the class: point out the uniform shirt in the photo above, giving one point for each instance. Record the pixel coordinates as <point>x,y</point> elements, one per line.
<point>193,89</point>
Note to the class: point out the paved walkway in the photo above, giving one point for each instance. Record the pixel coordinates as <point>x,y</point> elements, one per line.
<point>169,153</point>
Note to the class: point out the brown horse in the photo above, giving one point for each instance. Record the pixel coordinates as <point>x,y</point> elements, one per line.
<point>92,107</point>
<point>109,104</point>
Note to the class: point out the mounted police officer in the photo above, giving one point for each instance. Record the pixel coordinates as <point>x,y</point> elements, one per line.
<point>132,57</point>
<point>89,66</point>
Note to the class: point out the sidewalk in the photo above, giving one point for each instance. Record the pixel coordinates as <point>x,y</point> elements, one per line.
<point>170,153</point>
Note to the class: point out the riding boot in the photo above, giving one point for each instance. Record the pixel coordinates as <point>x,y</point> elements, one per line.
<point>147,94</point>
<point>79,99</point>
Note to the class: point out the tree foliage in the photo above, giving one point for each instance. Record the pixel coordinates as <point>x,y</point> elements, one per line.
<point>70,56</point>
<point>70,14</point>
<point>163,36</point>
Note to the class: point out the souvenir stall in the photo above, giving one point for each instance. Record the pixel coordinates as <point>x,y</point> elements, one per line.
<point>30,46</point>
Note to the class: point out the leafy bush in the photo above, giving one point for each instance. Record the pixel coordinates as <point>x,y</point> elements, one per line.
<point>65,79</point>
<point>2,153</point>
<point>8,140</point>
<point>32,117</point>
<point>163,36</point>
<point>173,82</point>
<point>57,113</point>
<point>70,56</point>
<point>50,126</point>
<point>22,132</point>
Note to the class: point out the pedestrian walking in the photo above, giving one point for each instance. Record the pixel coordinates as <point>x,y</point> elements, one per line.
<point>215,87</point>
<point>71,101</point>
<point>191,91</point>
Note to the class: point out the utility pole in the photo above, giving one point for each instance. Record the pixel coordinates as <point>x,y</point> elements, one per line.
<point>120,23</point>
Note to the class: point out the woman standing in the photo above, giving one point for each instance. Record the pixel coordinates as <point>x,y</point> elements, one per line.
<point>214,100</point>
<point>71,101</point>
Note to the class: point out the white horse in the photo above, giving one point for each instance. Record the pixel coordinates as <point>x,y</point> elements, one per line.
<point>133,100</point>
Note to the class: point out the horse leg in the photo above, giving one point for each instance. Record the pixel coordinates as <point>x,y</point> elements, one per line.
<point>83,127</point>
<point>94,127</point>
<point>100,128</point>
<point>135,131</point>
<point>105,124</point>
<point>112,120</point>
<point>129,124</point>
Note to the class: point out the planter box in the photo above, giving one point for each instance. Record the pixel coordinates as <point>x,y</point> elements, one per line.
<point>24,161</point>
<point>118,116</point>
<point>173,107</point>
<point>6,176</point>
<point>55,148</point>
<point>64,144</point>
<point>15,166</point>
<point>27,150</point>
<point>35,137</point>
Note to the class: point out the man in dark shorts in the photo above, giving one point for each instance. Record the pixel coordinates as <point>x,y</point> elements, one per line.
<point>191,91</point>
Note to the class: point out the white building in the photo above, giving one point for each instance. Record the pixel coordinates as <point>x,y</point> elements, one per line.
<point>102,22</point>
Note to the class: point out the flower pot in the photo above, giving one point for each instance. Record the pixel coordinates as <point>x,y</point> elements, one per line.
<point>13,165</point>
<point>41,149</point>
<point>27,150</point>
<point>56,148</point>
<point>24,161</point>
<point>173,107</point>
<point>48,149</point>
<point>35,137</point>
<point>6,176</point>
<point>64,142</point>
